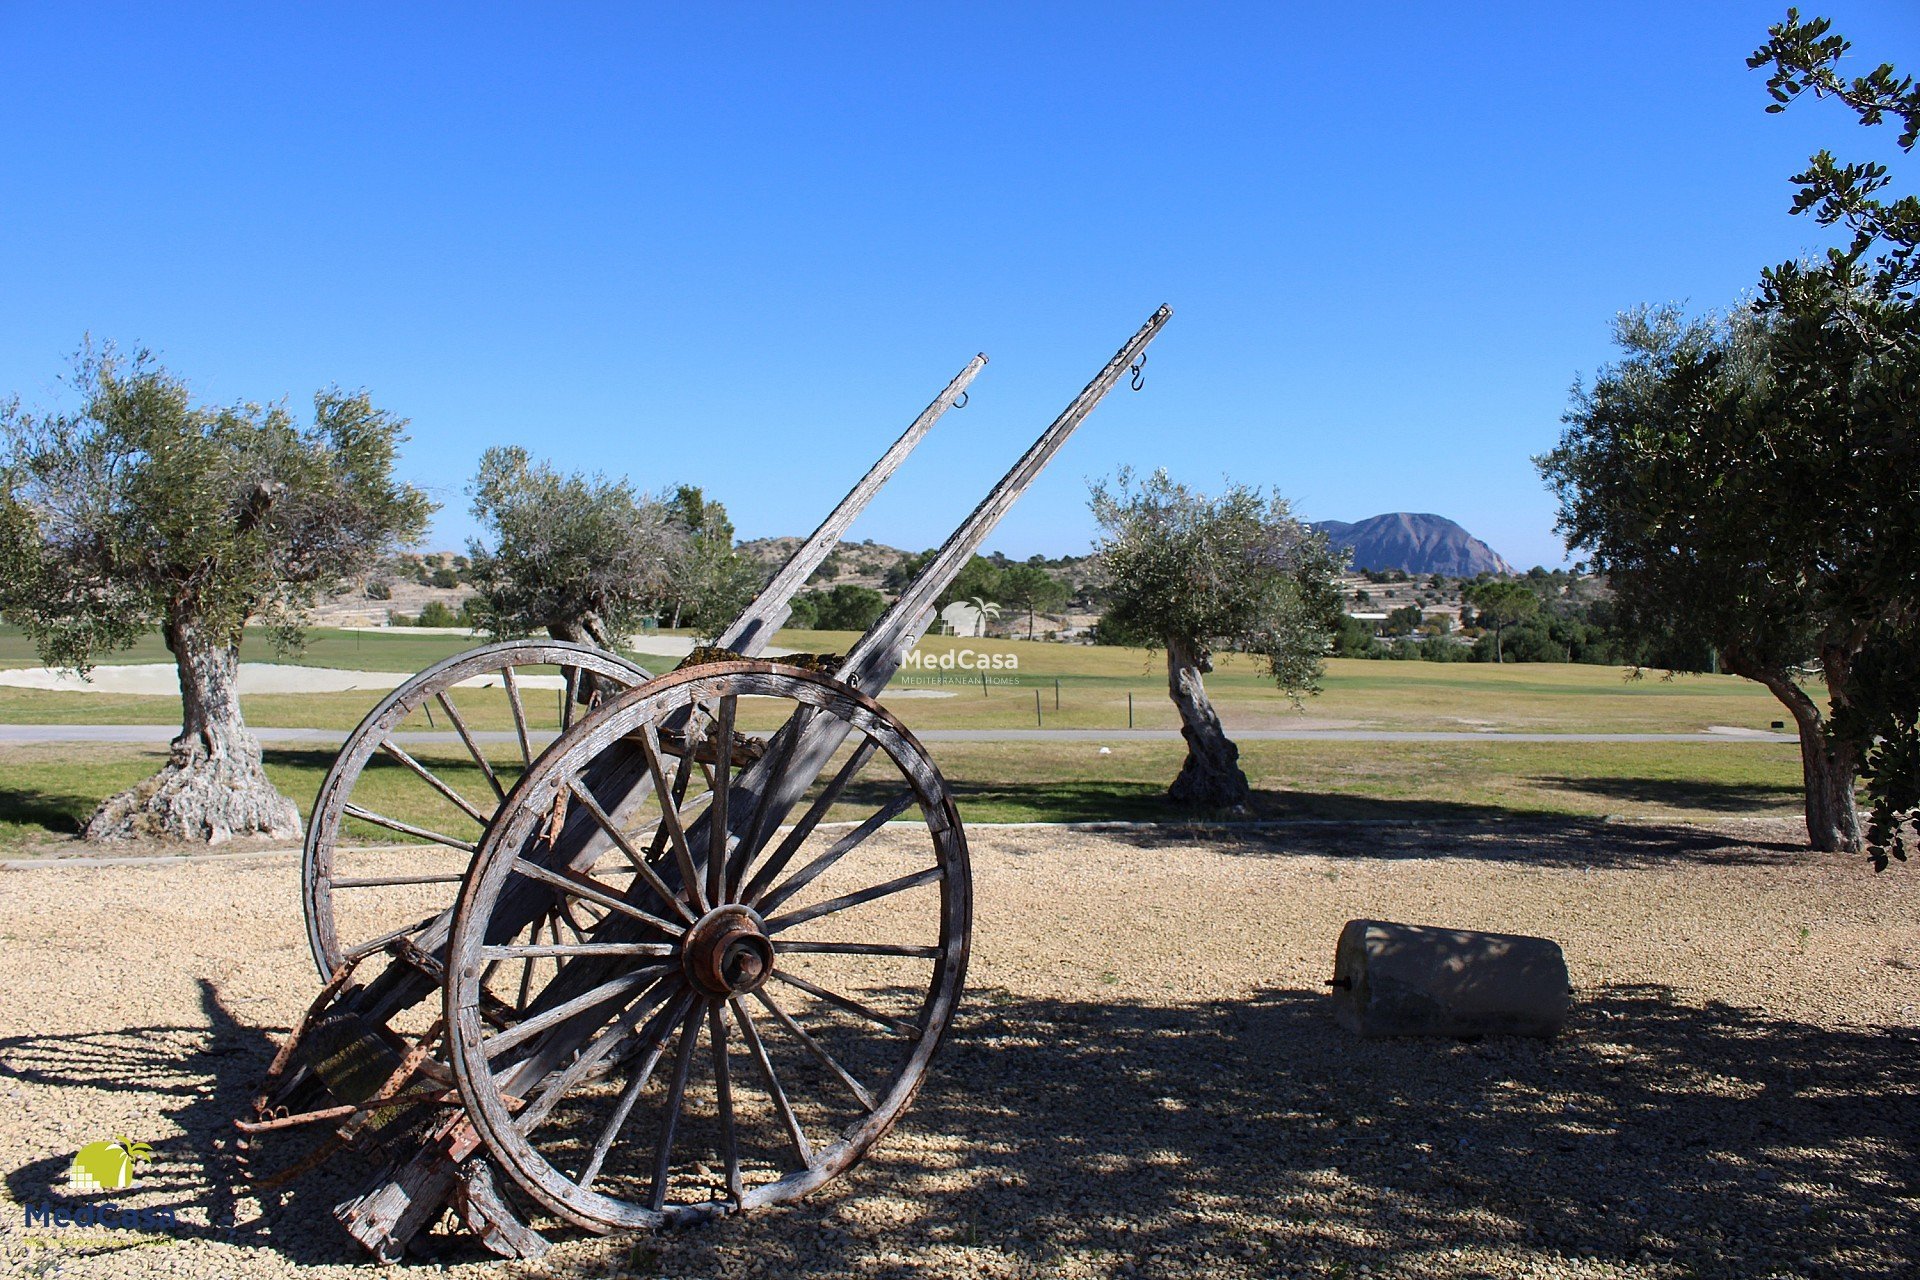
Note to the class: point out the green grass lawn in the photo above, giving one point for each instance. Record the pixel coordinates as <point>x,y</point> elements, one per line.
<point>47,790</point>
<point>1094,685</point>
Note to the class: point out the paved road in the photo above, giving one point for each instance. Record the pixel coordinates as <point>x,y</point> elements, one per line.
<point>158,733</point>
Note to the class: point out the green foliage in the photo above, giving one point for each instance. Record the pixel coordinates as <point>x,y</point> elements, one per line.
<point>1403,621</point>
<point>444,578</point>
<point>978,578</point>
<point>1749,484</point>
<point>708,581</point>
<point>436,614</point>
<point>1849,335</point>
<point>1352,638</point>
<point>577,555</point>
<point>1499,603</point>
<point>1032,589</point>
<point>1236,572</point>
<point>846,607</point>
<point>1803,57</point>
<point>139,508</point>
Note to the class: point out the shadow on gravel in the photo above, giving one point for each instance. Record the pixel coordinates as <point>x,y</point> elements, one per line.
<point>1231,1138</point>
<point>1253,1138</point>
<point>200,1078</point>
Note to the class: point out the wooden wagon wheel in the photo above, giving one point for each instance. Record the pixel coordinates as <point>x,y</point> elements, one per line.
<point>390,906</point>
<point>736,1031</point>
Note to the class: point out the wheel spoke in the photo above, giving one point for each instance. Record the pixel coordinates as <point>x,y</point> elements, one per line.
<point>405,828</point>
<point>433,780</point>
<point>800,879</point>
<point>571,676</point>
<point>374,944</point>
<point>511,684</point>
<point>568,950</point>
<point>723,1092</point>
<point>778,1095</point>
<point>814,1047</point>
<point>635,1084</point>
<point>523,1031</point>
<point>633,855</point>
<point>717,812</point>
<point>526,974</point>
<point>676,1095</point>
<point>473,749</point>
<point>383,882</point>
<point>770,779</point>
<point>676,834</point>
<point>808,821</point>
<point>580,885</point>
<point>851,1005</point>
<point>846,900</point>
<point>555,1086</point>
<point>862,949</point>
<point>563,914</point>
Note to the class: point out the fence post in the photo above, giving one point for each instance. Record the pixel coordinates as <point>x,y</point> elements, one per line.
<point>1129,708</point>
<point>1056,693</point>
<point>1038,723</point>
<point>983,682</point>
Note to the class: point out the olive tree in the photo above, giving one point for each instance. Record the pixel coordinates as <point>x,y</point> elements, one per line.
<point>581,557</point>
<point>1195,575</point>
<point>1868,290</point>
<point>1749,482</point>
<point>1741,482</point>
<point>138,509</point>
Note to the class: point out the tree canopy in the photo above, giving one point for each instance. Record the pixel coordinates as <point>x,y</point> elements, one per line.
<point>708,580</point>
<point>1196,575</point>
<point>1752,481</point>
<point>1500,603</point>
<point>844,607</point>
<point>1032,589</point>
<point>584,557</point>
<point>140,509</point>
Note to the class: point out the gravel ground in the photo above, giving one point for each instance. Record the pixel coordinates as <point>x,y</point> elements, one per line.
<point>1145,1080</point>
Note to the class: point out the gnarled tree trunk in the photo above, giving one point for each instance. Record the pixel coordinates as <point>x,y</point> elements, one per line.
<point>1211,778</point>
<point>588,628</point>
<point>213,787</point>
<point>1828,765</point>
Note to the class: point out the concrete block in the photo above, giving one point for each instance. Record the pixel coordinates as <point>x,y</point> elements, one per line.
<point>1418,980</point>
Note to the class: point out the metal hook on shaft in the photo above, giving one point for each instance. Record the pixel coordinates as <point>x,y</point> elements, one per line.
<point>961,403</point>
<point>1139,371</point>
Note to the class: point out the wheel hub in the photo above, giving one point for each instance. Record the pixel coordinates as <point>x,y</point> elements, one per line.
<point>727,953</point>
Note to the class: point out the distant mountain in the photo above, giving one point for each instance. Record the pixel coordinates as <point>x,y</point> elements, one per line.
<point>1416,543</point>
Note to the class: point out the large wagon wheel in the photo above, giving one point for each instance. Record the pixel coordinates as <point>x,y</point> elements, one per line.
<point>391,904</point>
<point>738,1031</point>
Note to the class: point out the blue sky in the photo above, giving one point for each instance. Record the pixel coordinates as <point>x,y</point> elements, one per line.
<point>742,245</point>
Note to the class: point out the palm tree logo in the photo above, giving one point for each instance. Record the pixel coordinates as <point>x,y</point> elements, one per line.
<point>987,610</point>
<point>107,1166</point>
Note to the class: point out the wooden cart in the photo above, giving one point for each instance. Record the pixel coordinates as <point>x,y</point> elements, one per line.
<point>647,979</point>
